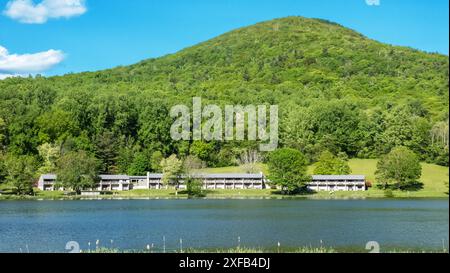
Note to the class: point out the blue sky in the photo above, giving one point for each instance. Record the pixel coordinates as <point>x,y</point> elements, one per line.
<point>90,35</point>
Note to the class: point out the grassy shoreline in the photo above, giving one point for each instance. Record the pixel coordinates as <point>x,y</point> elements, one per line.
<point>252,250</point>
<point>229,194</point>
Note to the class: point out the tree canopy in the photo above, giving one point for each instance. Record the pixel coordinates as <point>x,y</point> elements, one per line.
<point>21,173</point>
<point>172,168</point>
<point>401,167</point>
<point>330,164</point>
<point>77,171</point>
<point>288,169</point>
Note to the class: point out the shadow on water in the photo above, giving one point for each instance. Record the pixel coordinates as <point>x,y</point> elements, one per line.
<point>298,192</point>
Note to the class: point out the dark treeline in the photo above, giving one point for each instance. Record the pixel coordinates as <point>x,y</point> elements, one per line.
<point>337,91</point>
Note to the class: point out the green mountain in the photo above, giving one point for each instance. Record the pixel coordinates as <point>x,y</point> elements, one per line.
<point>337,90</point>
<point>312,58</point>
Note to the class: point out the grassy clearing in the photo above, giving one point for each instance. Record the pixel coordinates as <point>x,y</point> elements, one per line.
<point>434,178</point>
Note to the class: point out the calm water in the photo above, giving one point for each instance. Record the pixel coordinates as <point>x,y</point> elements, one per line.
<point>46,226</point>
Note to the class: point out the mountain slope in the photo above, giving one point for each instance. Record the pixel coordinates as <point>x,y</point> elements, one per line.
<point>306,56</point>
<point>336,89</point>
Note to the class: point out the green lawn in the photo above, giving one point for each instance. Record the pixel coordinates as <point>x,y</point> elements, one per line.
<point>209,193</point>
<point>150,193</point>
<point>435,179</point>
<point>49,194</point>
<point>162,193</point>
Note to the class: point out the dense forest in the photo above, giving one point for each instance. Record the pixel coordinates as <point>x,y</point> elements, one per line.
<point>337,91</point>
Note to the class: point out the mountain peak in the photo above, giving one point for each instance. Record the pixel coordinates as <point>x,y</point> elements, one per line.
<point>292,49</point>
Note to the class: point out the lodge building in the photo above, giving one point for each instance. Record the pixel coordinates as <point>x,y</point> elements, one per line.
<point>318,183</point>
<point>337,183</point>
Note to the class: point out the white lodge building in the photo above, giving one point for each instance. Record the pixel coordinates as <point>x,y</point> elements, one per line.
<point>214,181</point>
<point>154,181</point>
<point>338,183</point>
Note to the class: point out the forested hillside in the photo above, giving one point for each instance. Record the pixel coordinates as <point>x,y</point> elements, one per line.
<point>337,90</point>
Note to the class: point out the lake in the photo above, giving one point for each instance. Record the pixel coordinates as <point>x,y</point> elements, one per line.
<point>46,226</point>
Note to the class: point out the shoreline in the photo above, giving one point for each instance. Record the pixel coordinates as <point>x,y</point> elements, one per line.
<point>230,197</point>
<point>234,194</point>
<point>271,250</point>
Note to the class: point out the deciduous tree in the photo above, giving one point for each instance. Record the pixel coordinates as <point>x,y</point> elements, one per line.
<point>330,164</point>
<point>77,171</point>
<point>21,173</point>
<point>288,169</point>
<point>172,168</point>
<point>401,167</point>
<point>50,153</point>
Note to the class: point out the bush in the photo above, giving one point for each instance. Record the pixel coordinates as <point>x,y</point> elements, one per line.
<point>389,194</point>
<point>194,188</point>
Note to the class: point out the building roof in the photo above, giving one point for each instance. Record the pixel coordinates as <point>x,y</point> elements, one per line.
<point>114,177</point>
<point>338,177</point>
<point>135,177</point>
<point>212,176</point>
<point>232,176</point>
<point>48,176</point>
<point>152,175</point>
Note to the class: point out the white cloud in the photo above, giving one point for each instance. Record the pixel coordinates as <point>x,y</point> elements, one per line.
<point>17,65</point>
<point>5,76</point>
<point>26,11</point>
